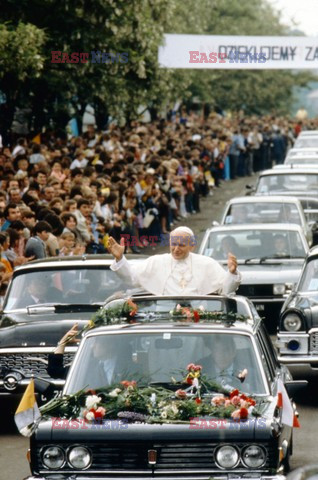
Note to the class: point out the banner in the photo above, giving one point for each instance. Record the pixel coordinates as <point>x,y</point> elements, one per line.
<point>238,52</point>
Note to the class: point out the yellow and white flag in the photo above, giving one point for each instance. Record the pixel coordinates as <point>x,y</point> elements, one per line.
<point>27,412</point>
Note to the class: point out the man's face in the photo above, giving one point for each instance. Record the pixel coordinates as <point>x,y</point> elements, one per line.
<point>15,196</point>
<point>49,193</point>
<point>181,244</point>
<point>85,210</point>
<point>222,356</point>
<point>13,214</point>
<point>44,235</point>
<point>41,179</point>
<point>13,184</point>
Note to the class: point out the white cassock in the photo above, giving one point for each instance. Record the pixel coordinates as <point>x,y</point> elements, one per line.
<point>163,275</point>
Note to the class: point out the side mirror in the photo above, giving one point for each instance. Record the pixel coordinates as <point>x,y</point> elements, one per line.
<point>249,187</point>
<point>294,386</point>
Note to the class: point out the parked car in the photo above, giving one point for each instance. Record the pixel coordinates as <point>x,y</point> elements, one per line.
<point>302,156</point>
<point>286,180</point>
<point>44,299</point>
<point>298,324</point>
<point>271,209</point>
<point>270,258</point>
<point>168,436</point>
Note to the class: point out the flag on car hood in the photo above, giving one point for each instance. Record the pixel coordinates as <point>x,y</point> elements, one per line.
<point>288,414</point>
<point>27,412</point>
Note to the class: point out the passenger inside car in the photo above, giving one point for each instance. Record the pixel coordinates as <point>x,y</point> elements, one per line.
<point>38,292</point>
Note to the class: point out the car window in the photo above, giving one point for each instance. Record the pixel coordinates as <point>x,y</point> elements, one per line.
<point>154,357</point>
<point>288,183</point>
<point>309,279</point>
<point>306,142</point>
<point>265,212</point>
<point>69,285</point>
<point>254,244</point>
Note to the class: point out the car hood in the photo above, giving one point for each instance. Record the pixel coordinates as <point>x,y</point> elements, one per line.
<point>39,331</point>
<point>59,431</point>
<point>270,273</point>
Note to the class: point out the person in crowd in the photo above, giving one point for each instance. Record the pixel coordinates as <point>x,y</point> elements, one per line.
<point>35,246</point>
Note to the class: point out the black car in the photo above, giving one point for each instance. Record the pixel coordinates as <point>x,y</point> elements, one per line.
<point>298,326</point>
<point>141,399</point>
<point>270,258</point>
<point>44,299</point>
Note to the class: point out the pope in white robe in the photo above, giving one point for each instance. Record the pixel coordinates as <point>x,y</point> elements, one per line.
<point>180,272</point>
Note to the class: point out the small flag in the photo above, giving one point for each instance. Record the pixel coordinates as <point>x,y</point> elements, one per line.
<point>27,412</point>
<point>288,414</point>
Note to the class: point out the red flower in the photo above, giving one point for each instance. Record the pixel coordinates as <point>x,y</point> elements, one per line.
<point>234,393</point>
<point>133,306</point>
<point>127,384</point>
<point>196,316</point>
<point>197,368</point>
<point>181,394</point>
<point>191,366</point>
<point>243,413</point>
<point>189,380</point>
<point>198,400</point>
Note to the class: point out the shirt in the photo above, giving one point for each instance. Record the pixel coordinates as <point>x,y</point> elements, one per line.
<point>180,280</point>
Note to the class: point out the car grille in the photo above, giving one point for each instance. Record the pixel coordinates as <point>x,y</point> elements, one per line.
<point>29,363</point>
<point>313,346</point>
<point>256,290</point>
<point>183,457</point>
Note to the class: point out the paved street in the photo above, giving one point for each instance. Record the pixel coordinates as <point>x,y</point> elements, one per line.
<point>13,447</point>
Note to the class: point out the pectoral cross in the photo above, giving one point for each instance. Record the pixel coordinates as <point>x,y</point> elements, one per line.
<point>183,283</point>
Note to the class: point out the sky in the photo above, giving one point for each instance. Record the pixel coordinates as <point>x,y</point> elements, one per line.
<point>305,12</point>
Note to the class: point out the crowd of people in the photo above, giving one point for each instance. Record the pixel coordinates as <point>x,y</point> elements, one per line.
<point>66,196</point>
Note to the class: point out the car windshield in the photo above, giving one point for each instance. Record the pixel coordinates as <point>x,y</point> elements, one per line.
<point>262,212</point>
<point>302,182</point>
<point>306,142</point>
<point>162,357</point>
<point>254,243</point>
<point>69,285</point>
<point>309,279</point>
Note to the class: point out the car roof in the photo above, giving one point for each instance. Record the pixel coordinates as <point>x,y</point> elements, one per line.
<point>257,226</point>
<point>264,199</point>
<point>289,169</point>
<point>74,261</point>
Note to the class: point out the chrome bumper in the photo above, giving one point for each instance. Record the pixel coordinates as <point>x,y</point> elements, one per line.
<point>247,476</point>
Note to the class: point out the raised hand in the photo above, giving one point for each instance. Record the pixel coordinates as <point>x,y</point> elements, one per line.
<point>69,337</point>
<point>231,263</point>
<point>116,249</point>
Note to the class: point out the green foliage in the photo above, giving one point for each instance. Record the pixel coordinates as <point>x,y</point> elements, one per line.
<point>31,30</point>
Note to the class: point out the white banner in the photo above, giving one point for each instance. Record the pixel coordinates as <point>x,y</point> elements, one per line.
<point>238,52</point>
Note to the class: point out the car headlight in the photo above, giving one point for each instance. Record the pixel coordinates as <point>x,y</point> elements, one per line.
<point>53,457</point>
<point>292,322</point>
<point>279,289</point>
<point>79,457</point>
<point>253,456</point>
<point>227,457</point>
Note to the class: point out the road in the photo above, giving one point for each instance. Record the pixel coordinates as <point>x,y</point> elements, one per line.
<point>13,447</point>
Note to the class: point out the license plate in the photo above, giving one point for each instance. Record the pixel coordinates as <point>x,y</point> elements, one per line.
<point>260,307</point>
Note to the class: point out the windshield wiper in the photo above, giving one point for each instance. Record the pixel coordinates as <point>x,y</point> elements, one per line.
<point>248,260</point>
<point>278,257</point>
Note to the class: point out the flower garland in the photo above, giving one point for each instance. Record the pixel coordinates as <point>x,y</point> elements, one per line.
<point>127,311</point>
<point>132,403</point>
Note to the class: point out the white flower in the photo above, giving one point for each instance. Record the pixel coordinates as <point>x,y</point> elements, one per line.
<point>90,416</point>
<point>195,382</point>
<point>153,399</point>
<point>92,401</point>
<point>201,308</point>
<point>178,307</point>
<point>114,393</point>
<point>164,414</point>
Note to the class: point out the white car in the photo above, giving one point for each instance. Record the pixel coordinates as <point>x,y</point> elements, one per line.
<point>267,209</point>
<point>307,141</point>
<point>302,156</point>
